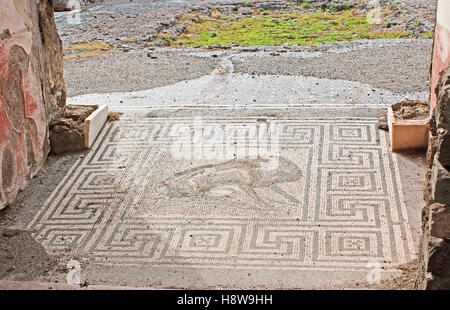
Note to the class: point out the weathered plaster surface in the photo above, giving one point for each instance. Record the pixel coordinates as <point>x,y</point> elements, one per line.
<point>32,90</point>
<point>441,52</point>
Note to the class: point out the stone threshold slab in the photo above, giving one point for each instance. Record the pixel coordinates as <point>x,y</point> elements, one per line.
<point>94,124</point>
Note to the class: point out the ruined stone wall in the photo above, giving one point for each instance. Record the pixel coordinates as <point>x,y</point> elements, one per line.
<point>32,90</point>
<point>435,243</point>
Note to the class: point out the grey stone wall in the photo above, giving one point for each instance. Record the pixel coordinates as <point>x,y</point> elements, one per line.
<point>435,243</point>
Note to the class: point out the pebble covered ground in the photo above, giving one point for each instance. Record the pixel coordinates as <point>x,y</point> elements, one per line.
<point>128,31</point>
<point>397,65</point>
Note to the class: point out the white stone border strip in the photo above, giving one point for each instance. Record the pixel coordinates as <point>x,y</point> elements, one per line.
<point>94,124</point>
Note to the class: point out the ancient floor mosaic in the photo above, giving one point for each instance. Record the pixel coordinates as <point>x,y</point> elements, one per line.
<point>334,201</point>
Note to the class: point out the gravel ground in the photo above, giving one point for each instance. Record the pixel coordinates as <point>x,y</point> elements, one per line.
<point>402,68</point>
<point>397,66</point>
<point>129,68</point>
<point>21,257</point>
<point>121,72</point>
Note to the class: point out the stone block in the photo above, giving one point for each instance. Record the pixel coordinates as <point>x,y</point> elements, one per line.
<point>67,132</point>
<point>432,149</point>
<point>439,257</point>
<point>427,188</point>
<point>407,134</point>
<point>443,150</point>
<point>440,221</point>
<point>443,102</point>
<point>440,184</point>
<point>65,139</point>
<point>437,283</point>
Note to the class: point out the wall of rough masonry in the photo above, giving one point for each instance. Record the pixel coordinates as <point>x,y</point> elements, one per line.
<point>435,243</point>
<point>32,90</point>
